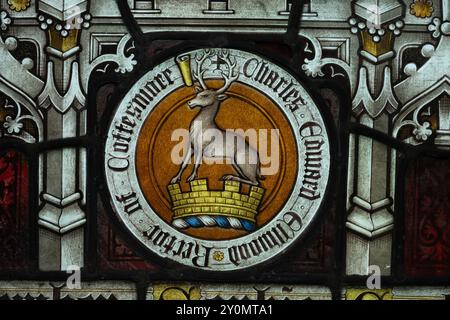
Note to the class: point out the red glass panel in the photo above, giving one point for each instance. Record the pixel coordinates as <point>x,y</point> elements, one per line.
<point>427,218</point>
<point>114,253</point>
<point>13,210</point>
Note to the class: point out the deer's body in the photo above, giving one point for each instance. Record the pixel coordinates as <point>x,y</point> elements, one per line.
<point>207,140</point>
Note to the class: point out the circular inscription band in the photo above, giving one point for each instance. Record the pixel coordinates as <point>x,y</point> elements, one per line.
<point>217,159</point>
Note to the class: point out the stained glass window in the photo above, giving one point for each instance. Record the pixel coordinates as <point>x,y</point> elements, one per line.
<point>222,149</point>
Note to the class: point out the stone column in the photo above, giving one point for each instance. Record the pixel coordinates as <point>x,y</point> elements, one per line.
<point>62,218</point>
<point>370,220</point>
<point>443,133</point>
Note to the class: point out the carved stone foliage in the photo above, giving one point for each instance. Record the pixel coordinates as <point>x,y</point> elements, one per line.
<point>5,20</point>
<point>428,124</point>
<point>421,8</point>
<point>427,218</point>
<point>413,57</point>
<point>19,5</point>
<point>325,59</point>
<point>16,121</point>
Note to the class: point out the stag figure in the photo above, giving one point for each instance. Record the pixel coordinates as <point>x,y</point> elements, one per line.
<point>223,144</point>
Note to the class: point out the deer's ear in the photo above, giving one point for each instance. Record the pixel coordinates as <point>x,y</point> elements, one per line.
<point>222,97</point>
<point>198,89</point>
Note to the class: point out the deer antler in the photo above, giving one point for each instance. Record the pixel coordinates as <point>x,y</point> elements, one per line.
<point>198,74</point>
<point>229,78</point>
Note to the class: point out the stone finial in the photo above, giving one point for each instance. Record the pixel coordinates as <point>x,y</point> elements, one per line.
<point>63,10</point>
<point>379,12</point>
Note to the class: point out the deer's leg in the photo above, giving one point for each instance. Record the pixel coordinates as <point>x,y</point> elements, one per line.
<point>230,177</point>
<point>186,160</point>
<point>242,177</point>
<point>198,154</point>
<point>238,170</point>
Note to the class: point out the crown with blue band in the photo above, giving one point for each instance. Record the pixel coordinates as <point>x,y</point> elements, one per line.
<point>201,207</point>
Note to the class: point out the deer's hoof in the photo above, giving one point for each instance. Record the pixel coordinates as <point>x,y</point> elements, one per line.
<point>228,177</point>
<point>175,180</point>
<point>191,178</point>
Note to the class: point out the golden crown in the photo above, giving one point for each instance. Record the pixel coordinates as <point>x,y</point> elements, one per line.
<point>202,207</point>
